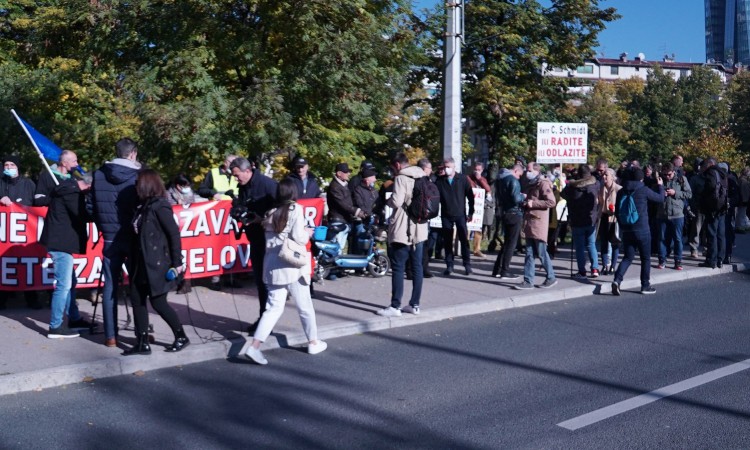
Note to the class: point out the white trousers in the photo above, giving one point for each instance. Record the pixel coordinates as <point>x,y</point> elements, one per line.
<point>275,307</point>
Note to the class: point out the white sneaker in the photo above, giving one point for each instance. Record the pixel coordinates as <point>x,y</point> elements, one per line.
<point>314,349</point>
<point>412,309</point>
<point>256,355</point>
<point>389,312</point>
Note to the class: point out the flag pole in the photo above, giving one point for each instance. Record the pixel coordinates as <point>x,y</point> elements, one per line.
<point>39,152</point>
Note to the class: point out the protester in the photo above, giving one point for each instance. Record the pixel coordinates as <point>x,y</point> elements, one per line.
<point>733,200</point>
<point>64,234</point>
<point>608,242</point>
<point>15,188</point>
<point>539,200</point>
<point>363,196</point>
<point>405,236</point>
<point>478,181</point>
<point>356,180</point>
<point>509,200</point>
<point>285,221</point>
<point>216,186</point>
<point>155,262</point>
<point>114,200</point>
<point>257,195</point>
<point>696,231</point>
<point>180,193</point>
<point>714,205</point>
<point>671,216</point>
<point>632,215</point>
<point>307,185</point>
<point>62,171</point>
<point>426,166</point>
<point>582,195</point>
<point>455,192</point>
<point>341,207</point>
<point>743,222</point>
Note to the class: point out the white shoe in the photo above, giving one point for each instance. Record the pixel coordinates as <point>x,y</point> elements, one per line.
<point>389,312</point>
<point>256,355</point>
<point>314,349</point>
<point>412,309</point>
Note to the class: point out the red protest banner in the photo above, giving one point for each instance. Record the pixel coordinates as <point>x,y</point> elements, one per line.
<point>211,245</point>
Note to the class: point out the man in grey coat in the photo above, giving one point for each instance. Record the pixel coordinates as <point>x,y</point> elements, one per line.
<point>671,215</point>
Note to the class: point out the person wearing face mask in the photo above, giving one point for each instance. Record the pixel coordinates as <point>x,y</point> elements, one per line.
<point>539,200</point>
<point>364,196</point>
<point>455,191</point>
<point>180,192</point>
<point>114,199</point>
<point>15,188</point>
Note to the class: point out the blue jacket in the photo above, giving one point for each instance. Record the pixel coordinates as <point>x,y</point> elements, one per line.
<point>641,196</point>
<point>114,198</point>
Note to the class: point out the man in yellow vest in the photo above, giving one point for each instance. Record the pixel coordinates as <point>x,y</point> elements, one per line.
<point>217,183</point>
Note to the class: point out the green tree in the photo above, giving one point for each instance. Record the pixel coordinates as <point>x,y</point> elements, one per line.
<point>738,96</point>
<point>607,120</point>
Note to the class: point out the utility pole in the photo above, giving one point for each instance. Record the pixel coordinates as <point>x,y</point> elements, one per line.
<point>452,82</point>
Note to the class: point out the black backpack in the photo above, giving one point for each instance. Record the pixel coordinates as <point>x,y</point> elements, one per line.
<point>716,192</point>
<point>425,201</point>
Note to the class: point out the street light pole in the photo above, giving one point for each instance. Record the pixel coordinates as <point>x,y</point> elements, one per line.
<point>452,83</point>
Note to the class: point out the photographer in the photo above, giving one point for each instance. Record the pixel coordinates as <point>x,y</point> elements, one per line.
<point>257,194</point>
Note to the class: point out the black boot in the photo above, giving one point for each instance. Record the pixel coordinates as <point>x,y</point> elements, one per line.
<point>141,346</point>
<point>180,341</point>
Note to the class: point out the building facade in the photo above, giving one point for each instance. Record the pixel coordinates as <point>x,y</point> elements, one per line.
<point>727,34</point>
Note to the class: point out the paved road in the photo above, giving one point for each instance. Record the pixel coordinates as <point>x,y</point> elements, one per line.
<point>501,380</point>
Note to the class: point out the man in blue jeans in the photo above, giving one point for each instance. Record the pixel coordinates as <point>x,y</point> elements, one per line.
<point>114,199</point>
<point>636,235</point>
<point>536,206</point>
<point>671,215</point>
<point>582,195</point>
<point>64,234</point>
<point>405,236</point>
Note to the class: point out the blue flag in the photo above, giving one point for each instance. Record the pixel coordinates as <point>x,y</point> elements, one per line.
<point>47,147</point>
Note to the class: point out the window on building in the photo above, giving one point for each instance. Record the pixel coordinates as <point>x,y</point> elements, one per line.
<point>614,70</point>
<point>585,69</point>
<point>683,73</point>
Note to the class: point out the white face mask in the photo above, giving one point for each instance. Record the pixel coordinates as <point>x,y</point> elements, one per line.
<point>449,171</point>
<point>12,173</point>
<point>531,175</point>
<point>186,190</point>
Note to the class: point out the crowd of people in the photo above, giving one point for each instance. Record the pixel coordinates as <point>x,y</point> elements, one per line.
<point>528,210</point>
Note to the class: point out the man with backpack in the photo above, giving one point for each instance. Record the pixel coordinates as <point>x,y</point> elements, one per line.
<point>455,190</point>
<point>714,203</point>
<point>406,235</point>
<point>631,209</point>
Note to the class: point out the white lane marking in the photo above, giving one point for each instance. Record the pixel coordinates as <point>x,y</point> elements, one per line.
<point>650,397</point>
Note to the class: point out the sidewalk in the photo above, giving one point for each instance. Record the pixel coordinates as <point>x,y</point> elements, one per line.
<point>216,321</point>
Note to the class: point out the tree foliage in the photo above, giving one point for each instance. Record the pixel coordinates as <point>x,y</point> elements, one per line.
<point>194,79</point>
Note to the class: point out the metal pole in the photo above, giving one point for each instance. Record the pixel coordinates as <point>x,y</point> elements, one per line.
<point>452,83</point>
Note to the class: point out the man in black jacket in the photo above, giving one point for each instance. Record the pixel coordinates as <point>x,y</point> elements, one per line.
<point>114,199</point>
<point>455,191</point>
<point>307,187</point>
<point>64,234</point>
<point>257,194</point>
<point>341,207</point>
<point>15,188</point>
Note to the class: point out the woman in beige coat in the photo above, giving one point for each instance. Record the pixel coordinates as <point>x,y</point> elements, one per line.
<point>607,221</point>
<point>286,221</point>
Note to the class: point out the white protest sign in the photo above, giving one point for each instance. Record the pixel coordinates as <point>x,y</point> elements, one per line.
<point>562,142</point>
<point>475,222</point>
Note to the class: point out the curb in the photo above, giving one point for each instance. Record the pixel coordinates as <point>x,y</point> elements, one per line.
<point>234,347</point>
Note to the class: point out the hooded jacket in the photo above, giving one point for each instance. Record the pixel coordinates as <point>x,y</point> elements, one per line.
<point>65,224</point>
<point>641,196</point>
<point>403,230</point>
<point>583,201</point>
<point>114,199</point>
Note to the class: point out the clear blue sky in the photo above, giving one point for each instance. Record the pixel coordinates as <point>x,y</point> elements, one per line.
<point>652,27</point>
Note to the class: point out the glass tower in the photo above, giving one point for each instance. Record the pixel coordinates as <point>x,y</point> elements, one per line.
<point>727,36</point>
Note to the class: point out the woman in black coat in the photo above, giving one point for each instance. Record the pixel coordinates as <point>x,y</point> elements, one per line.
<point>155,252</point>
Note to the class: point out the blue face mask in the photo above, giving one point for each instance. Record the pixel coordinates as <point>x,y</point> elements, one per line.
<point>10,172</point>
